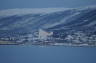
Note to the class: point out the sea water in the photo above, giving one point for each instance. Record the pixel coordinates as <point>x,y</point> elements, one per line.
<point>46,54</point>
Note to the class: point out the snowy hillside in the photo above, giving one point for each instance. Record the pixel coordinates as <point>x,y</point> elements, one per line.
<point>63,25</point>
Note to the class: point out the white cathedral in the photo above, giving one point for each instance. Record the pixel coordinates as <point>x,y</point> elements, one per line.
<point>43,34</point>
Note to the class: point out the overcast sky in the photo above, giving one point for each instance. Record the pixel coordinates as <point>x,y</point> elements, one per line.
<point>9,4</point>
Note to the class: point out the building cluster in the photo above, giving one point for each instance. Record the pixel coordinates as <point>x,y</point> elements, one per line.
<point>57,36</point>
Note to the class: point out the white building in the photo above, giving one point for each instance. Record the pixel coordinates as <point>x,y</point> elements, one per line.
<point>43,35</point>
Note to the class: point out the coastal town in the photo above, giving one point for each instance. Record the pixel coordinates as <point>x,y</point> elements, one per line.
<point>45,37</point>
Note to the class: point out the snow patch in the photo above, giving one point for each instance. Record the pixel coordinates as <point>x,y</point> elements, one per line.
<point>10,12</point>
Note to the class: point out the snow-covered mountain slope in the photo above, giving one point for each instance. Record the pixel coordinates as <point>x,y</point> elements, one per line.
<point>80,19</point>
<point>62,25</point>
<point>27,19</point>
<point>30,20</point>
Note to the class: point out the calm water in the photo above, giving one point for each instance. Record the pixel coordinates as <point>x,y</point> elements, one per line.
<point>48,54</point>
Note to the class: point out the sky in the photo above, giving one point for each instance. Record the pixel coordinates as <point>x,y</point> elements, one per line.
<point>10,4</point>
